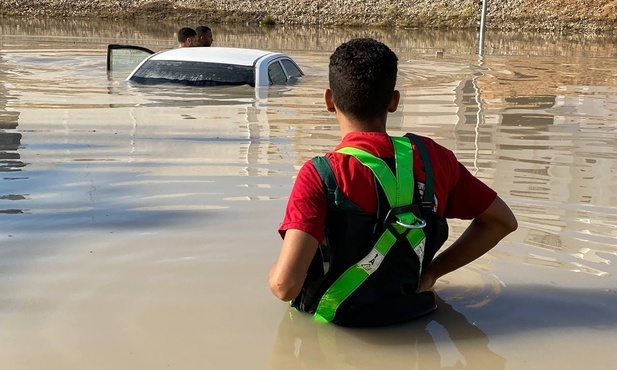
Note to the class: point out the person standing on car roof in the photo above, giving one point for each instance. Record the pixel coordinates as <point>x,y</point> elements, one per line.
<point>204,36</point>
<point>186,37</point>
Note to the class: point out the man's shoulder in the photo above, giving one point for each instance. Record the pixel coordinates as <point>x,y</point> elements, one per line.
<point>425,139</point>
<point>433,146</point>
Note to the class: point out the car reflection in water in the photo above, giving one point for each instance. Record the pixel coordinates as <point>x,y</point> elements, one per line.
<point>225,127</point>
<point>226,89</point>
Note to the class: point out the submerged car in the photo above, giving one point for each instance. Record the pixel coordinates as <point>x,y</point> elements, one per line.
<point>204,66</point>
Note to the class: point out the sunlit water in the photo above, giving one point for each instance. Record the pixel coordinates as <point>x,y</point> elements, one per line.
<point>137,224</point>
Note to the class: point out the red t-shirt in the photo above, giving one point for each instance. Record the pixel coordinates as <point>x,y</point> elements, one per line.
<point>458,193</point>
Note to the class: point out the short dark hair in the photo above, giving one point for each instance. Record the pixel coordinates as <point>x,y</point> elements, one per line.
<point>185,33</point>
<point>201,30</point>
<point>362,74</point>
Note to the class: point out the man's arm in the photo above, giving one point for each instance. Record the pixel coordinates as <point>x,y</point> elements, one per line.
<point>484,232</point>
<point>289,271</point>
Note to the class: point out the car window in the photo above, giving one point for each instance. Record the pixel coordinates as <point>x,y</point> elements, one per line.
<point>125,57</point>
<point>291,68</point>
<point>276,74</point>
<point>193,73</point>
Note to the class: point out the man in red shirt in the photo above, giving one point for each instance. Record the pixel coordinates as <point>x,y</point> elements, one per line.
<point>362,76</point>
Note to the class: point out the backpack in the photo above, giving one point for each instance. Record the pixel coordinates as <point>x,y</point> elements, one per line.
<point>367,271</point>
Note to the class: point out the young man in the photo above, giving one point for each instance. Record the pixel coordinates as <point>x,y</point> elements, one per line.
<point>186,37</point>
<point>204,36</point>
<point>363,223</point>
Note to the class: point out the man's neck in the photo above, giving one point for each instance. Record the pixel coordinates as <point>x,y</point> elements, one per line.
<point>349,125</point>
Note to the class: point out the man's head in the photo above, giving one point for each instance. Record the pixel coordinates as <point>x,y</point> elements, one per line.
<point>186,37</point>
<point>362,76</point>
<point>204,36</point>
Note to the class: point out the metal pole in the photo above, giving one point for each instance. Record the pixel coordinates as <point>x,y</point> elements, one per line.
<point>479,114</point>
<point>482,25</point>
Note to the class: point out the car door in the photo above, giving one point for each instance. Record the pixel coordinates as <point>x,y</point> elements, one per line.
<point>124,58</point>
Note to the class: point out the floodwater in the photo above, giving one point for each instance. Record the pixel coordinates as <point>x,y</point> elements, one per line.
<point>137,225</point>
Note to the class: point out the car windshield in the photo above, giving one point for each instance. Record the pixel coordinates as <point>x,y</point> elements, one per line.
<point>193,73</point>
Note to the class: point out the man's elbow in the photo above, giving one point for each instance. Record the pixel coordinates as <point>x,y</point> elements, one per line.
<point>284,292</point>
<point>501,217</point>
<point>508,222</point>
<point>511,224</point>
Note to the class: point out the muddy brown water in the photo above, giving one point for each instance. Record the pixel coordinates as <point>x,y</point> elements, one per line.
<point>138,224</point>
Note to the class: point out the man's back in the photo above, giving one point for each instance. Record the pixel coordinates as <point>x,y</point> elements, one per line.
<point>362,76</point>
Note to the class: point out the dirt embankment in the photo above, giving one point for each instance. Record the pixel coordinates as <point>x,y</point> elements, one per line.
<point>589,16</point>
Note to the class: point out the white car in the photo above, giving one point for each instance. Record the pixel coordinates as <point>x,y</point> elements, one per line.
<point>204,66</point>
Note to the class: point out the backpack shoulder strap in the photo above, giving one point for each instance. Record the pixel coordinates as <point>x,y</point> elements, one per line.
<point>323,167</point>
<point>334,194</point>
<point>428,200</point>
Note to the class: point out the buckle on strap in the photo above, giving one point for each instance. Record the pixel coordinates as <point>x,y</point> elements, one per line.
<point>411,210</point>
<point>428,204</point>
<point>418,225</point>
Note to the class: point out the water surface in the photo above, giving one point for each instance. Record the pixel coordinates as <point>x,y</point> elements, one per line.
<point>137,224</point>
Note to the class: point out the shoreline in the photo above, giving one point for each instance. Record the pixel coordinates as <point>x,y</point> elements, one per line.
<point>565,16</point>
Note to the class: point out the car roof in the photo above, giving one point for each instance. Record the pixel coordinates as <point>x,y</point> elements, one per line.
<point>237,56</point>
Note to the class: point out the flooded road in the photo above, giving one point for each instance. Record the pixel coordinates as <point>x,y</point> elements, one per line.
<point>138,224</point>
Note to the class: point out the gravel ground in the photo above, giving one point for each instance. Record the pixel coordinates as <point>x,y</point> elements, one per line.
<point>589,16</point>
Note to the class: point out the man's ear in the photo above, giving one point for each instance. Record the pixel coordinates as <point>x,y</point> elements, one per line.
<point>327,96</point>
<point>396,97</point>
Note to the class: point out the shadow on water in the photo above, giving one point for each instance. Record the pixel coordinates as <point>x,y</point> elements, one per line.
<point>423,343</point>
<point>528,308</point>
<point>304,343</point>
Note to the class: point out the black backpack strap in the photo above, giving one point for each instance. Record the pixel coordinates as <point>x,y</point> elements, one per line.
<point>428,200</point>
<point>333,193</point>
<point>323,167</point>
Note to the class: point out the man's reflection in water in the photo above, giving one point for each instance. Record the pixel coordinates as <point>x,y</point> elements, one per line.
<point>303,343</point>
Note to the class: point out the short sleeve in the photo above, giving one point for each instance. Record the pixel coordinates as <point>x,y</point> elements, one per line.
<point>307,204</point>
<point>469,197</point>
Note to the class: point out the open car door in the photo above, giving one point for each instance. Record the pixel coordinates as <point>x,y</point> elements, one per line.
<point>125,57</point>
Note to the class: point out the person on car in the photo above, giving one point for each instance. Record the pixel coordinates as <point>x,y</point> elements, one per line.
<point>186,37</point>
<point>204,36</point>
<point>364,222</point>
